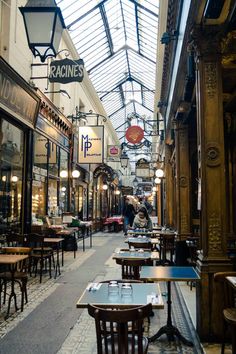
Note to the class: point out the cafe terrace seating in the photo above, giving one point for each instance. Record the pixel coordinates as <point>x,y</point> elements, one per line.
<point>229,308</point>
<point>113,329</point>
<point>20,275</point>
<point>41,255</point>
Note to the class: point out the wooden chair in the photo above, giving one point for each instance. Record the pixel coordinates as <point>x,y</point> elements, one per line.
<point>14,240</point>
<point>40,254</point>
<point>113,329</point>
<point>130,269</point>
<point>193,247</point>
<point>229,311</point>
<point>167,248</point>
<point>20,275</point>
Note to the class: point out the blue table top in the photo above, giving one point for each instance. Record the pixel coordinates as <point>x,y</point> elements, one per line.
<point>171,273</point>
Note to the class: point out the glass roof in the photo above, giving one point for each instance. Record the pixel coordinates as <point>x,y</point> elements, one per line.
<point>117,39</point>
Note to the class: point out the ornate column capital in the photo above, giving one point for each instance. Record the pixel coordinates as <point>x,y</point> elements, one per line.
<point>206,42</point>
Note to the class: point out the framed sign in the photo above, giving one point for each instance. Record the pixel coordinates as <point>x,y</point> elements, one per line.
<point>91,148</point>
<point>113,151</point>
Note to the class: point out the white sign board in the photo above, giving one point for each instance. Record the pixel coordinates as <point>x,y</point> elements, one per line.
<point>91,144</point>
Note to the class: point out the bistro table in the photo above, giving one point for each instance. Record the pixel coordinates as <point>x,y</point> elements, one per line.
<point>128,254</point>
<point>57,242</point>
<point>169,274</point>
<point>68,232</point>
<point>11,260</point>
<point>141,295</point>
<point>137,232</point>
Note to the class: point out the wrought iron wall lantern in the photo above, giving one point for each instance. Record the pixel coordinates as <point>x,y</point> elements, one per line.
<point>44,25</point>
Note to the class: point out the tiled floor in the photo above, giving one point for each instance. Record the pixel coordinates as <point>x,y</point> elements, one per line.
<point>79,336</point>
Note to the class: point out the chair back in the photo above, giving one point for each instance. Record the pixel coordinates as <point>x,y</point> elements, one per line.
<point>138,245</point>
<point>228,293</point>
<point>130,268</point>
<point>14,240</point>
<point>120,331</point>
<point>35,240</point>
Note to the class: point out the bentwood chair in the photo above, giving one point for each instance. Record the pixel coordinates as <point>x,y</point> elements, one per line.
<point>41,255</point>
<point>20,275</point>
<point>113,329</point>
<point>130,269</point>
<point>229,308</point>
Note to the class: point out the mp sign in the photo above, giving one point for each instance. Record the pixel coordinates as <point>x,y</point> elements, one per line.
<point>66,71</point>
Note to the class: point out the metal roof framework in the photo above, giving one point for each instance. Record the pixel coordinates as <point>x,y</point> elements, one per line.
<point>117,39</point>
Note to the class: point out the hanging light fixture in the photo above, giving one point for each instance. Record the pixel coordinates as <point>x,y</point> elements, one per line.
<point>64,174</point>
<point>117,192</point>
<point>154,189</point>
<point>135,182</point>
<point>124,159</point>
<point>75,173</point>
<point>159,173</point>
<point>44,25</point>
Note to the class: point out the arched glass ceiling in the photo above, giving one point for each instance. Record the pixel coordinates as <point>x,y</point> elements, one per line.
<point>117,39</point>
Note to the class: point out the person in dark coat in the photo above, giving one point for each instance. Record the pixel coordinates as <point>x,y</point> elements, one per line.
<point>128,214</point>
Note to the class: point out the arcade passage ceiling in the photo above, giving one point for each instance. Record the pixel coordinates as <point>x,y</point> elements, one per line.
<point>117,39</point>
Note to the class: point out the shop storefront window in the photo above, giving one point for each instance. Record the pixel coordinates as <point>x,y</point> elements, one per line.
<point>11,169</point>
<point>64,184</point>
<point>52,198</point>
<point>53,159</point>
<point>39,185</point>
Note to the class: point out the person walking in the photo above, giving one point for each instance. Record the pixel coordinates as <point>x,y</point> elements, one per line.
<point>128,214</point>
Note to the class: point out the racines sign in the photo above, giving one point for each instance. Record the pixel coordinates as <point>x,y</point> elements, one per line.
<point>66,71</point>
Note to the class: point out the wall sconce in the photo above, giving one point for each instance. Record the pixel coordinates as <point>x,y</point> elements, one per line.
<point>157,180</point>
<point>159,173</point>
<point>44,26</point>
<point>167,37</point>
<point>154,189</point>
<point>14,178</point>
<point>64,174</point>
<point>117,192</point>
<point>75,173</point>
<point>105,187</point>
<point>4,178</point>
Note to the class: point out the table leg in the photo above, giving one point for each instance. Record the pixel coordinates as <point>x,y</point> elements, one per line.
<point>12,294</point>
<point>75,245</point>
<point>169,329</point>
<point>62,253</point>
<point>57,262</point>
<point>90,236</point>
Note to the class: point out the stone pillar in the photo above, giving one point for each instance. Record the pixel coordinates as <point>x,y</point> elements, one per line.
<point>169,187</point>
<point>210,130</point>
<point>182,180</point>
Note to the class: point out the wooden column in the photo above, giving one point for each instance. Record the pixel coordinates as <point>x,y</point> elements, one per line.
<point>212,180</point>
<point>169,187</point>
<point>182,180</point>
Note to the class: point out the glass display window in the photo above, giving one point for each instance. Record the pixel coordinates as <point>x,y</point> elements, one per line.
<point>53,209</point>
<point>38,199</point>
<point>40,151</point>
<point>64,182</point>
<point>11,174</point>
<point>53,165</point>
